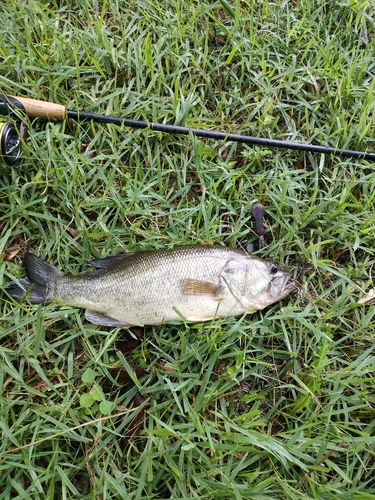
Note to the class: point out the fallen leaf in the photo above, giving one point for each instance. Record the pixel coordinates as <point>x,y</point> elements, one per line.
<point>368,298</point>
<point>314,82</point>
<point>135,426</point>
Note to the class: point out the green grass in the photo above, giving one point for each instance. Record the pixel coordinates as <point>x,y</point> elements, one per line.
<point>276,405</point>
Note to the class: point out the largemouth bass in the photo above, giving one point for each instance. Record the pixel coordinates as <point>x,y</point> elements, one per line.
<point>187,283</point>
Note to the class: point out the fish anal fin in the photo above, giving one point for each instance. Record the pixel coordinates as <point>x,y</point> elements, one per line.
<point>200,287</point>
<point>98,318</point>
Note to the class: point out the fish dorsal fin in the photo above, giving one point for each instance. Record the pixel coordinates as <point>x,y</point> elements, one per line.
<point>101,319</point>
<point>109,262</point>
<point>199,287</point>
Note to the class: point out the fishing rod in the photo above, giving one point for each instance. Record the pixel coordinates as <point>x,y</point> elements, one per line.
<point>34,108</point>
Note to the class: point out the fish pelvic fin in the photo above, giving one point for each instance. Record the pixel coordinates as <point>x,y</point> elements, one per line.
<point>98,318</point>
<point>41,277</point>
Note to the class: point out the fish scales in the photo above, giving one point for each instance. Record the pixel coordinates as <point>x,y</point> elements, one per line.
<point>145,288</point>
<point>192,283</point>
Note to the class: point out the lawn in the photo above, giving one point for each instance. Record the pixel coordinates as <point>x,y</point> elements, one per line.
<point>279,404</point>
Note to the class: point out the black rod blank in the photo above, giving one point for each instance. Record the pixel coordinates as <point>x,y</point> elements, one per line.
<point>246,139</point>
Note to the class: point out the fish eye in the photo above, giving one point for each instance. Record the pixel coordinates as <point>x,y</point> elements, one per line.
<point>273,269</point>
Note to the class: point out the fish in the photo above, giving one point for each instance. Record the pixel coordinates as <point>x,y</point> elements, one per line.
<point>193,283</point>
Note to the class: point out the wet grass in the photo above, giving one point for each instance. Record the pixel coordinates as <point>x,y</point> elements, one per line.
<point>277,405</point>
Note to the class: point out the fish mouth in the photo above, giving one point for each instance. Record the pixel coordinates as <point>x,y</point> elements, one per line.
<point>281,286</point>
<point>290,286</point>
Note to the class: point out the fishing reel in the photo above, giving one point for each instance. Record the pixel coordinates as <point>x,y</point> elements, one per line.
<point>10,143</point>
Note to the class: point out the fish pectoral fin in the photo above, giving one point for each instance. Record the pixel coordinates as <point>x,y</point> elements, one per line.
<point>101,319</point>
<point>199,287</point>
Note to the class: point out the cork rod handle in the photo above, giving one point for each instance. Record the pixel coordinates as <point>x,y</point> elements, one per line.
<point>42,109</point>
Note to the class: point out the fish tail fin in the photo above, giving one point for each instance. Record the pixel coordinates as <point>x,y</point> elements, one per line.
<point>41,276</point>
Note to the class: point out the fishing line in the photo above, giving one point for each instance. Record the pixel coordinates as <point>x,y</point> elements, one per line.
<point>296,174</point>
<point>300,172</point>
